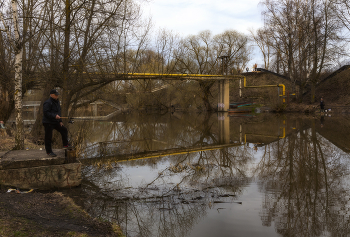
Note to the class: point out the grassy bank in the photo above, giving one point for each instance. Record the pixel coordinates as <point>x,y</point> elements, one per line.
<point>48,214</point>
<point>45,214</point>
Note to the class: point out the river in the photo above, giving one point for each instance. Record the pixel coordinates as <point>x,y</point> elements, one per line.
<point>178,174</point>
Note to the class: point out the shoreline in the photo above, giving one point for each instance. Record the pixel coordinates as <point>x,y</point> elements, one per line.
<point>48,214</point>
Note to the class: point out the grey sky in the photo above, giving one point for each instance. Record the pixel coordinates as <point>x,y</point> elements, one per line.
<point>192,16</point>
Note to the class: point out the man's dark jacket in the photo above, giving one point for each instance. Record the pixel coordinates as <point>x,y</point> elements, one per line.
<point>51,108</point>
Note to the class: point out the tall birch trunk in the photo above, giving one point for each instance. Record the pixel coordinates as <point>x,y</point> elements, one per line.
<point>19,137</point>
<point>66,56</point>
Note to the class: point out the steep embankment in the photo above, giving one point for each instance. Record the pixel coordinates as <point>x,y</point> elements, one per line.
<point>335,89</point>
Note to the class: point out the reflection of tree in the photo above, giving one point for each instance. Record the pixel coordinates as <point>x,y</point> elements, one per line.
<point>301,175</point>
<point>140,133</point>
<point>175,200</point>
<point>302,178</point>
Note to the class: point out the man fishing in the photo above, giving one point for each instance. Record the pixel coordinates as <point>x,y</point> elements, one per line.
<point>52,120</point>
<point>322,105</point>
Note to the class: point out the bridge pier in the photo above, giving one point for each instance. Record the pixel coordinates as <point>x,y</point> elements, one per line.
<point>35,112</point>
<point>94,108</point>
<point>224,95</point>
<point>224,128</point>
<point>224,136</point>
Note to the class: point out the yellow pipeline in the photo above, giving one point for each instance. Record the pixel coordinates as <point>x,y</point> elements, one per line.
<point>170,154</point>
<point>182,75</point>
<point>279,85</point>
<point>189,76</point>
<point>261,135</point>
<point>165,75</point>
<point>204,75</point>
<point>170,75</point>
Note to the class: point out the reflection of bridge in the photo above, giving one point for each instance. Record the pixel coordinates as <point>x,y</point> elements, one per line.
<point>236,134</point>
<point>116,151</point>
<point>155,154</point>
<point>223,135</point>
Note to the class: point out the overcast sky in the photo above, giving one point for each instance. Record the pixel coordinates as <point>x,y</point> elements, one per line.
<point>192,16</point>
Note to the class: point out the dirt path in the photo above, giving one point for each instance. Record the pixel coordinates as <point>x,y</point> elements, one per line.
<point>48,214</point>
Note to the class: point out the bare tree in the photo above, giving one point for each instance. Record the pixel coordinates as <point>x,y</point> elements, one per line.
<point>342,10</point>
<point>24,51</point>
<point>262,40</point>
<point>81,44</point>
<point>198,54</point>
<point>17,44</point>
<point>305,38</point>
<point>236,46</point>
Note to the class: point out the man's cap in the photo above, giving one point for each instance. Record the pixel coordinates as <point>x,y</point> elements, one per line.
<point>54,91</point>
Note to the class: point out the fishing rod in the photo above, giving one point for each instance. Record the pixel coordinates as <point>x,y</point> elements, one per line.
<point>71,119</point>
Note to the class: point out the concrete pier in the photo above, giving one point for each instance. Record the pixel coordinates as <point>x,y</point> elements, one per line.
<point>224,95</point>
<point>35,169</point>
<point>224,128</point>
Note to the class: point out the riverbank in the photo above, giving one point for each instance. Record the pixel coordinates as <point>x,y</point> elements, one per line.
<point>314,108</point>
<point>48,214</point>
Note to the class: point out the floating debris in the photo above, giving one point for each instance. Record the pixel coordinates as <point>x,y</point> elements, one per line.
<point>19,191</point>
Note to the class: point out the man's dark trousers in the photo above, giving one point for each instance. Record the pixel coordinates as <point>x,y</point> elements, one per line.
<point>49,127</point>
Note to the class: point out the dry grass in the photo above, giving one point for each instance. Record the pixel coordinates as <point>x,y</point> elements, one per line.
<point>47,214</point>
<point>8,142</point>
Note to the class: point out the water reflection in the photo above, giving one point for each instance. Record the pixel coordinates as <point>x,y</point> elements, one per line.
<point>172,197</point>
<point>194,173</point>
<point>304,178</point>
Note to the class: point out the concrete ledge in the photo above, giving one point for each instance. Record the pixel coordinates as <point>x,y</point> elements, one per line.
<point>31,158</point>
<point>43,177</point>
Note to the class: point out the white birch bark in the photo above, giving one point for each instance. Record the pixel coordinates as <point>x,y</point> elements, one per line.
<point>19,137</point>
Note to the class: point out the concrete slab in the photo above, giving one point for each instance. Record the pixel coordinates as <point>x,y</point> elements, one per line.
<point>30,158</point>
<point>43,177</point>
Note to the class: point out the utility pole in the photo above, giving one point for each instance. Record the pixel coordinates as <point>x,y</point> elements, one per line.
<point>224,64</point>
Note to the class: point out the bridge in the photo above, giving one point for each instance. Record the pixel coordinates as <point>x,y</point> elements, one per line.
<point>223,84</point>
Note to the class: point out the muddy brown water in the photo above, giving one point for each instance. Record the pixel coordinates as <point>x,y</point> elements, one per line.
<point>217,175</point>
